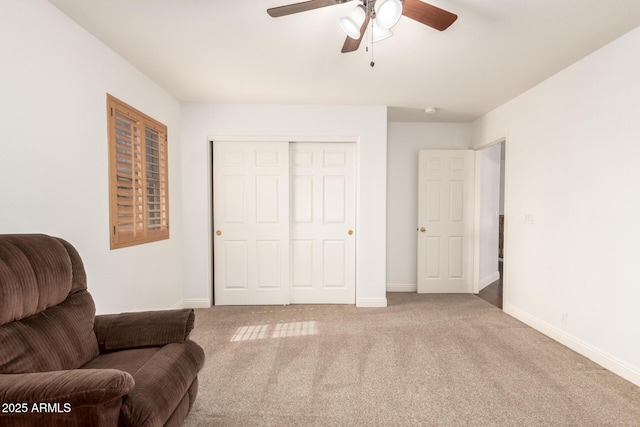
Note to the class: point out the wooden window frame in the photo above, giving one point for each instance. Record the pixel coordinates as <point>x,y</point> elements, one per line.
<point>138,176</point>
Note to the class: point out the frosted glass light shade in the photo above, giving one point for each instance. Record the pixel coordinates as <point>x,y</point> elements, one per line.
<point>351,23</point>
<point>388,13</point>
<point>379,34</point>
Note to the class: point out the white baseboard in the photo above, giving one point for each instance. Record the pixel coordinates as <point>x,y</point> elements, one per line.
<point>205,303</point>
<point>192,303</point>
<point>371,302</point>
<point>196,303</point>
<point>402,287</point>
<point>487,280</point>
<point>177,305</point>
<point>601,358</point>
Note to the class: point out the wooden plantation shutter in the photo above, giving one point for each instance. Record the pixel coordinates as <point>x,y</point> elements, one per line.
<point>138,176</point>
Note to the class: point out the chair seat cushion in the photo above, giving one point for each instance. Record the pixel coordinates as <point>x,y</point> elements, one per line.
<point>162,377</point>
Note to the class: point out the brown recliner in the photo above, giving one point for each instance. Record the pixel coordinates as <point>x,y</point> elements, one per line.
<point>61,365</point>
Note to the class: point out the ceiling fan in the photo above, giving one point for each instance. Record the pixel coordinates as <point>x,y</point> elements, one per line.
<point>384,14</point>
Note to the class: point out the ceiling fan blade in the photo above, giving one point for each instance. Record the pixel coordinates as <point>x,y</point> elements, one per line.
<point>301,7</point>
<point>427,14</point>
<point>351,45</point>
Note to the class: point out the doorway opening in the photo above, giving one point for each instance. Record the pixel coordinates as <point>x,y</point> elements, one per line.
<point>491,163</point>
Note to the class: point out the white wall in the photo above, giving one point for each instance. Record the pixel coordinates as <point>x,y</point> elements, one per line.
<point>369,124</point>
<point>573,151</point>
<point>405,140</point>
<point>488,199</point>
<point>502,172</point>
<point>54,155</point>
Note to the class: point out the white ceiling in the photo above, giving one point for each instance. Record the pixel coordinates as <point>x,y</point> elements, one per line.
<point>231,51</point>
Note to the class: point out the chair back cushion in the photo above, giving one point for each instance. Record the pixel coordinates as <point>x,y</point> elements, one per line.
<point>46,313</point>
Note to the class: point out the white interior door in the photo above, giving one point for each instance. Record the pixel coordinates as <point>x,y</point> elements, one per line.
<point>251,223</point>
<point>322,231</point>
<point>445,221</point>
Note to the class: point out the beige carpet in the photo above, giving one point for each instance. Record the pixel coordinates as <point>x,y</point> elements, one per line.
<point>425,360</point>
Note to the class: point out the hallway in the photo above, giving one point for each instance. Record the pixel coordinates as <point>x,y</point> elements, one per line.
<point>493,293</point>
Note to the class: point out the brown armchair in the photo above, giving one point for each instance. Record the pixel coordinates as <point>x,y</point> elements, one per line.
<point>60,365</point>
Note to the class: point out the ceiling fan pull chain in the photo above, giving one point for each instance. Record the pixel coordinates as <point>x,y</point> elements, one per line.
<point>371,44</point>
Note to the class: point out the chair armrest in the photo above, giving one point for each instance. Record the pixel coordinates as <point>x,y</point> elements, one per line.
<point>142,329</point>
<point>70,390</point>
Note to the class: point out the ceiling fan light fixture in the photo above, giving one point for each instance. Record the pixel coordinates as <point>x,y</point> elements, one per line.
<point>352,23</point>
<point>388,13</point>
<point>378,33</point>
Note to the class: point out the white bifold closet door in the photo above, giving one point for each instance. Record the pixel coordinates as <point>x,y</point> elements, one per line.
<point>284,223</point>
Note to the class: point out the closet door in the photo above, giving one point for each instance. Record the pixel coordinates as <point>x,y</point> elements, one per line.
<point>251,223</point>
<point>322,216</point>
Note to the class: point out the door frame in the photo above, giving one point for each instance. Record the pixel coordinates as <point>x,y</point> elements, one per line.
<point>289,139</point>
<point>476,238</point>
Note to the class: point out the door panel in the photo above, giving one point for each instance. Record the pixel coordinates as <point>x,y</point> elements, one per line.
<point>322,213</point>
<point>233,198</point>
<point>235,273</point>
<point>334,268</point>
<point>445,211</point>
<point>302,263</point>
<point>266,199</point>
<point>335,205</point>
<point>302,199</point>
<point>432,263</point>
<point>251,223</point>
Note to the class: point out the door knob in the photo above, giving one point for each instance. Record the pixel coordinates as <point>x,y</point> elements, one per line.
<point>218,232</point>
<point>350,232</point>
<point>422,229</point>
